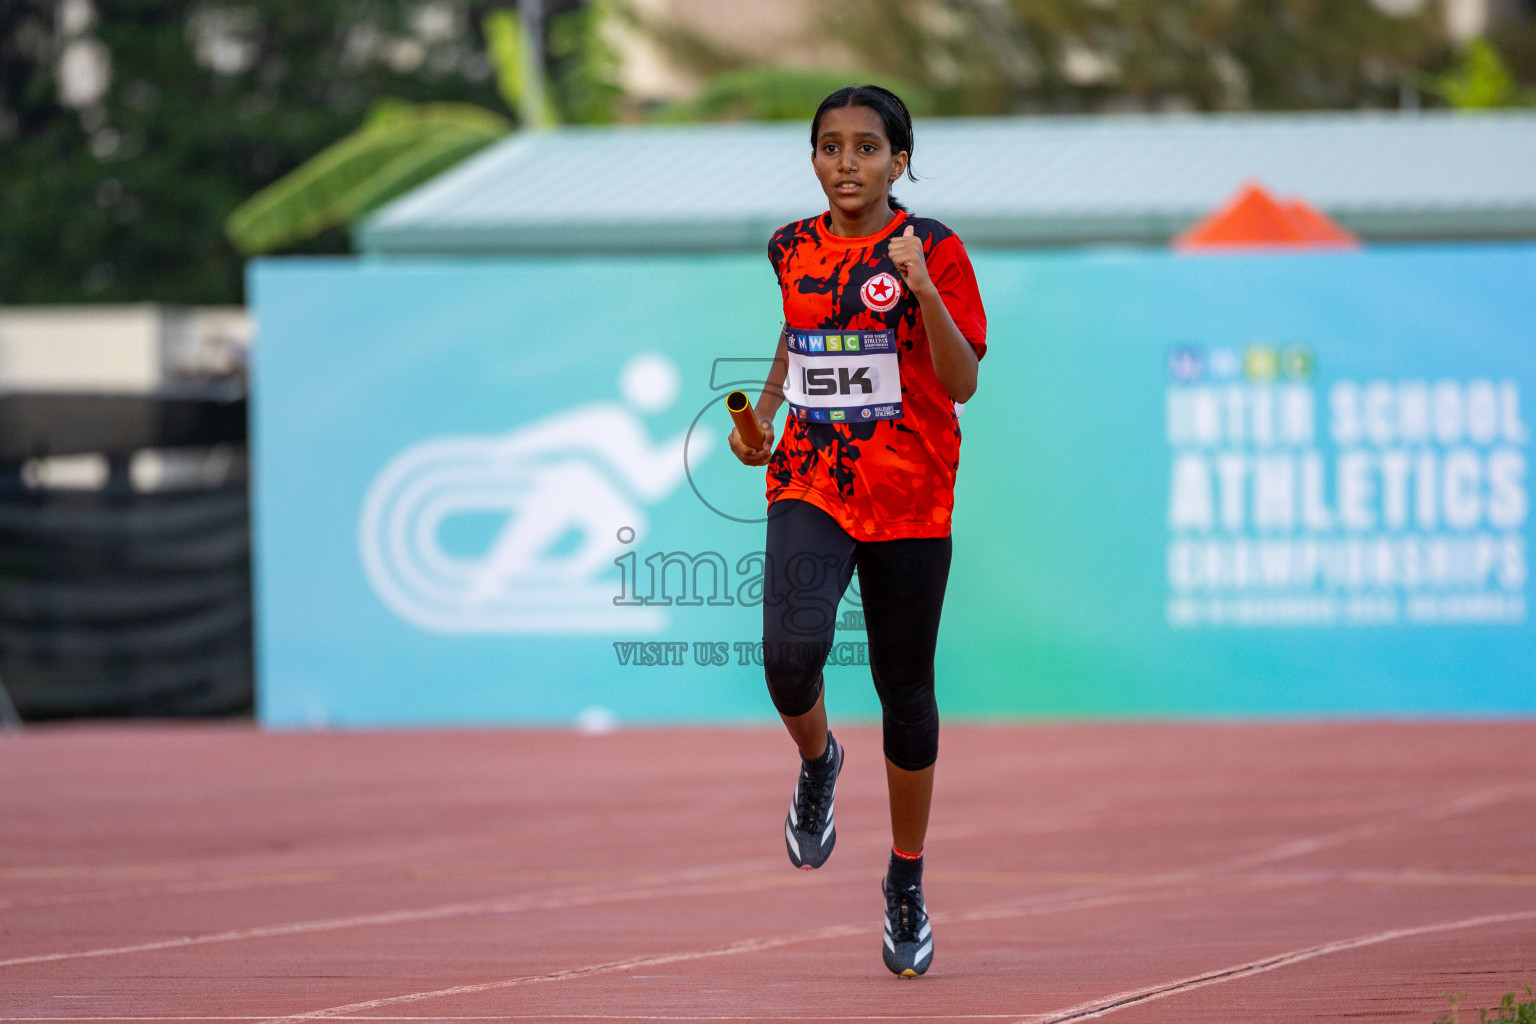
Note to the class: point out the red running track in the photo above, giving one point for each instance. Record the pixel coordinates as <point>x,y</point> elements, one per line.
<point>1136,872</point>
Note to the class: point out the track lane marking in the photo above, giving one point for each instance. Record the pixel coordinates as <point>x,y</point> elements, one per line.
<point>1028,907</point>
<point>1476,800</point>
<point>249,880</point>
<point>152,884</point>
<point>520,904</point>
<point>1135,997</point>
<point>208,885</point>
<point>177,883</point>
<point>578,1016</point>
<point>586,971</point>
<point>1416,878</point>
<point>1038,906</point>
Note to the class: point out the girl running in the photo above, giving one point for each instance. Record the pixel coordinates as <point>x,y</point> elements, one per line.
<point>884,328</point>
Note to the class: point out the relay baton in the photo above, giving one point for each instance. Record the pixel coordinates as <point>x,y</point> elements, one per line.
<point>746,420</point>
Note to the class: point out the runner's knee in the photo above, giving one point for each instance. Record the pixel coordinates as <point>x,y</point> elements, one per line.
<point>910,725</point>
<point>793,670</point>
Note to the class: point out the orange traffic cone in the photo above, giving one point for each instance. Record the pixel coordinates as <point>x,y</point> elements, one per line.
<point>1255,219</point>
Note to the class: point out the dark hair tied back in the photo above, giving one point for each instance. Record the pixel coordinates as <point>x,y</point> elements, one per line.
<point>893,115</point>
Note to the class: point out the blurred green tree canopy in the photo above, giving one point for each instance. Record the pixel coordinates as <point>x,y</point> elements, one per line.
<point>402,145</point>
<point>981,57</point>
<point>1481,80</point>
<point>1019,56</point>
<point>130,129</point>
<point>768,93</point>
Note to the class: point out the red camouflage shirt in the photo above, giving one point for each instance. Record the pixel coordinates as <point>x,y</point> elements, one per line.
<point>887,479</point>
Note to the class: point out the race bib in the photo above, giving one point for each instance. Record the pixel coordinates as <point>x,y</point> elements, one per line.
<point>847,377</point>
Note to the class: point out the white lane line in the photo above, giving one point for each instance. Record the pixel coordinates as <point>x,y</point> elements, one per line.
<point>582,897</point>
<point>1325,876</point>
<point>1475,801</point>
<point>1031,907</point>
<point>172,889</point>
<point>1225,868</point>
<point>1135,997</point>
<point>572,1017</point>
<point>569,1017</point>
<point>587,971</point>
<point>1026,909</point>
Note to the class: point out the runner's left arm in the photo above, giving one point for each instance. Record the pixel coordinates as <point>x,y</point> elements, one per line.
<point>954,360</point>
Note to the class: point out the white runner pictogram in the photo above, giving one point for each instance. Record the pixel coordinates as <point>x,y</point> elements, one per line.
<point>583,474</point>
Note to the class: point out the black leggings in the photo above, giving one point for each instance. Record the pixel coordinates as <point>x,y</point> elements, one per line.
<point>810,563</point>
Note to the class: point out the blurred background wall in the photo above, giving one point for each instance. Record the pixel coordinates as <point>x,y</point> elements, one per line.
<point>124,510</point>
<point>148,151</point>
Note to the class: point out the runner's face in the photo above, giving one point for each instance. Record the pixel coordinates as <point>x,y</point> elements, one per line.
<point>853,159</point>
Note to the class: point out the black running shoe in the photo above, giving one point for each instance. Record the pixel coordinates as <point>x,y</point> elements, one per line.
<point>908,935</point>
<point>808,830</point>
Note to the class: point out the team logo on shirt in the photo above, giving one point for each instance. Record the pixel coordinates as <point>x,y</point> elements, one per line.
<point>881,292</point>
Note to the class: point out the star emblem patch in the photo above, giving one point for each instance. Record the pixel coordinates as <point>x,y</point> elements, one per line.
<point>881,292</point>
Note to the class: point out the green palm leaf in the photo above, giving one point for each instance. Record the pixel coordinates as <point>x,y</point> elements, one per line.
<point>399,147</point>
<point>1481,81</point>
<point>422,162</point>
<point>519,77</point>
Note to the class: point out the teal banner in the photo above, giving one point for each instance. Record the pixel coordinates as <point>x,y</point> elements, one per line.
<point>499,491</point>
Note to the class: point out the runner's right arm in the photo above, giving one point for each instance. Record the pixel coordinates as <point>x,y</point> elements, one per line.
<point>767,407</point>
<point>773,388</point>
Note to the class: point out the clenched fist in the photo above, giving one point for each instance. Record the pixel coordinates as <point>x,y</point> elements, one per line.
<point>758,456</point>
<point>907,253</point>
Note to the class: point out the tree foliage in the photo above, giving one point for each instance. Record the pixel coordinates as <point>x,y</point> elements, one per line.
<point>1481,81</point>
<point>583,67</point>
<point>1514,39</point>
<point>768,93</point>
<point>1015,56</point>
<point>517,74</point>
<point>401,146</point>
<point>122,193</point>
<point>124,196</point>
